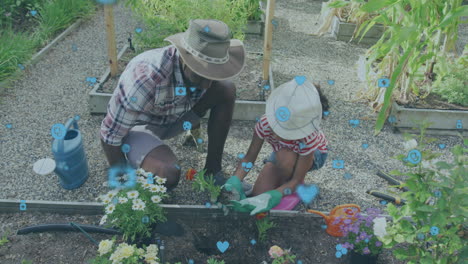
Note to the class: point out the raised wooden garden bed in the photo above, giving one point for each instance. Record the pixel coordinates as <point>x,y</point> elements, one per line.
<point>444,121</point>
<point>202,229</point>
<point>249,105</point>
<point>344,31</point>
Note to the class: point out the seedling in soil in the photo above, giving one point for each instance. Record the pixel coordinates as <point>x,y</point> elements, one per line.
<point>4,240</point>
<point>202,183</point>
<point>214,261</point>
<point>263,225</point>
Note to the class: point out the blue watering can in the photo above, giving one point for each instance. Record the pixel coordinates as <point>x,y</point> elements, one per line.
<point>70,157</point>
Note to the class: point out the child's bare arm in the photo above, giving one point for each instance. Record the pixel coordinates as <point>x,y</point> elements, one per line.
<point>303,164</point>
<point>251,156</point>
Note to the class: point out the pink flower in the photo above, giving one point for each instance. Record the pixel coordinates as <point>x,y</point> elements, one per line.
<point>275,252</point>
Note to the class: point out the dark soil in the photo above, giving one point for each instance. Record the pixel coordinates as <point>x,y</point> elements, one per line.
<point>247,82</point>
<point>307,241</point>
<point>434,101</point>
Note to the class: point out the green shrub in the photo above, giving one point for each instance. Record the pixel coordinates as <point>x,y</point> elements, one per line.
<point>163,18</point>
<point>453,86</point>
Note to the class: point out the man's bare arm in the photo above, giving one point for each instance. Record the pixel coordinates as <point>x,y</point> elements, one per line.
<point>113,154</point>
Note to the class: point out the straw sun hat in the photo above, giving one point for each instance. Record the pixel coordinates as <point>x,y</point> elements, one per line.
<point>293,110</point>
<point>208,50</point>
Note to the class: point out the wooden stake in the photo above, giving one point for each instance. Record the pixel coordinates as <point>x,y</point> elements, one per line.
<point>111,45</point>
<point>270,11</point>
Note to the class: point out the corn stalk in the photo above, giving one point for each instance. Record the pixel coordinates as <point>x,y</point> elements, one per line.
<point>418,34</point>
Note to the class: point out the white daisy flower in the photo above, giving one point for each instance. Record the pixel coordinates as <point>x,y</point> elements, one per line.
<point>155,199</point>
<point>103,220</point>
<point>111,194</point>
<point>141,180</point>
<point>110,208</point>
<point>132,194</point>
<point>140,171</point>
<point>155,188</point>
<point>161,180</point>
<point>106,200</point>
<point>138,201</point>
<point>147,185</point>
<point>123,200</point>
<point>138,206</point>
<point>163,189</point>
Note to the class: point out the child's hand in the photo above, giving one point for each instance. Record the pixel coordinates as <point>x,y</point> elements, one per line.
<point>234,185</point>
<point>258,204</point>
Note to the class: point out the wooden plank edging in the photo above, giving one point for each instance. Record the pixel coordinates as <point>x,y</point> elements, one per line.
<point>172,210</point>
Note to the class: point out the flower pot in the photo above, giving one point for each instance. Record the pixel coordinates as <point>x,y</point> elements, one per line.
<point>357,258</point>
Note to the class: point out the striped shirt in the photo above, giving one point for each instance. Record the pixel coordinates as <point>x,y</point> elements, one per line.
<point>151,90</point>
<point>302,146</point>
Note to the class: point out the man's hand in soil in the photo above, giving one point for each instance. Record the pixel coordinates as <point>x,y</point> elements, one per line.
<point>234,187</point>
<point>258,204</point>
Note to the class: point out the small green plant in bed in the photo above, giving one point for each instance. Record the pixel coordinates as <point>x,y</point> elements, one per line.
<point>437,204</point>
<point>203,183</point>
<point>163,18</point>
<point>214,261</point>
<point>134,210</point>
<point>452,82</point>
<point>263,225</point>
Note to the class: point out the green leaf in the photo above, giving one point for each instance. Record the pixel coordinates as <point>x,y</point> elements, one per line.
<point>426,208</point>
<point>375,5</point>
<point>454,14</point>
<point>399,238</point>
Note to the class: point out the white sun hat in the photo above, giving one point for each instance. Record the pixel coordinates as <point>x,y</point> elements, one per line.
<point>293,110</point>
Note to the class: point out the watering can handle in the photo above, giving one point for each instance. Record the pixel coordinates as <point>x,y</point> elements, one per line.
<point>339,206</point>
<point>67,127</point>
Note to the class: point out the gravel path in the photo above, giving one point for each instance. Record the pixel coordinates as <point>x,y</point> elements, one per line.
<point>54,90</point>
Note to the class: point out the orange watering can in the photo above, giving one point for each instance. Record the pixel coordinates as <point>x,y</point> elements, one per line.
<point>344,211</point>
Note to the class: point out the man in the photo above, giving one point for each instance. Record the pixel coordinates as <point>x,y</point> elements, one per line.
<point>165,91</point>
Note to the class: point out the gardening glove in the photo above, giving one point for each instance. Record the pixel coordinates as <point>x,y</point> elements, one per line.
<point>260,203</point>
<point>234,186</point>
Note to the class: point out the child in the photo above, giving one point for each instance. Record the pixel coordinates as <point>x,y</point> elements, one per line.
<point>291,125</point>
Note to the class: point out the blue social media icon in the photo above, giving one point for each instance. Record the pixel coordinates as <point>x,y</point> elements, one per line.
<point>338,164</point>
<point>414,156</point>
<point>180,91</point>
<point>125,148</point>
<point>384,82</point>
<point>283,114</point>
<point>187,125</point>
<point>58,131</point>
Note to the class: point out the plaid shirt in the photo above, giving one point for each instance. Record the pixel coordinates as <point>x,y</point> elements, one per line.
<point>148,92</point>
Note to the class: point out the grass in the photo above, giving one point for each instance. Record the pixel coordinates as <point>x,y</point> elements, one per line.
<point>52,17</point>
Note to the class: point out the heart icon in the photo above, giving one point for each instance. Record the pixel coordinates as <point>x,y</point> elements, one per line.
<point>300,79</point>
<point>8,125</point>
<point>307,193</point>
<point>241,156</point>
<point>266,87</point>
<point>193,89</point>
<point>249,165</point>
<point>441,146</point>
<point>222,246</point>
<point>331,82</point>
<point>365,146</point>
<point>138,30</point>
<point>33,12</point>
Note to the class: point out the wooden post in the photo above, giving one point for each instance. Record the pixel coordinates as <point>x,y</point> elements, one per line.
<point>270,11</point>
<point>111,45</point>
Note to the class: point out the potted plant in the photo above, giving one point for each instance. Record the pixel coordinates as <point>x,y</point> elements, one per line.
<point>111,252</point>
<point>433,222</point>
<point>344,18</point>
<point>135,211</point>
<point>362,236</point>
<point>405,57</point>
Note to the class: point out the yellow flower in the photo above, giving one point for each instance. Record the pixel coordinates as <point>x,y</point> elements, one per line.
<point>105,247</point>
<point>127,251</point>
<point>110,208</point>
<point>152,249</point>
